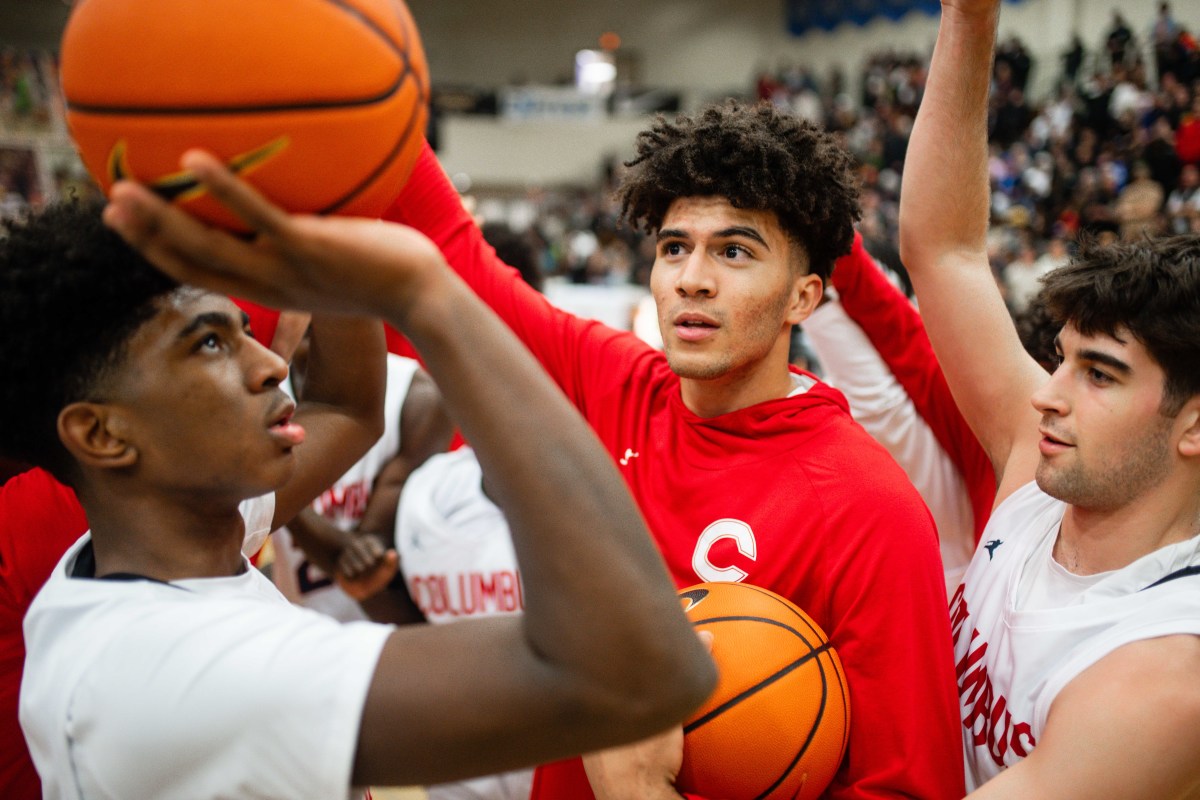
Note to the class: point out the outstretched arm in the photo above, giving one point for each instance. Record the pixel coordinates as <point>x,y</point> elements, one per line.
<point>897,333</point>
<point>603,653</point>
<point>944,213</point>
<point>341,410</point>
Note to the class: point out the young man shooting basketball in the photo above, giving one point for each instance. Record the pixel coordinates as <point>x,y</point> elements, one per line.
<point>1077,628</point>
<point>745,469</point>
<point>161,665</point>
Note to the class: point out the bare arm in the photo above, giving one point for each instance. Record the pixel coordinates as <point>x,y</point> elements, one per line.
<point>944,211</point>
<point>341,410</point>
<point>425,429</point>
<point>603,653</point>
<point>1132,721</point>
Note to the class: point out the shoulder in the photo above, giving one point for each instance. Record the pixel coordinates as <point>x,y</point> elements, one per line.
<point>1138,709</point>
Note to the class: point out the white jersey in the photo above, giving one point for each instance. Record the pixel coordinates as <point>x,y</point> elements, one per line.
<point>457,557</point>
<point>206,687</point>
<point>343,504</point>
<point>1013,660</point>
<point>455,548</point>
<point>879,403</point>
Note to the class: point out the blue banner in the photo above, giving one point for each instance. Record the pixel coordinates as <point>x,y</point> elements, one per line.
<point>804,16</point>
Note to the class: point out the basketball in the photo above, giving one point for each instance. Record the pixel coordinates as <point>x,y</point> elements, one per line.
<point>321,105</point>
<point>778,722</point>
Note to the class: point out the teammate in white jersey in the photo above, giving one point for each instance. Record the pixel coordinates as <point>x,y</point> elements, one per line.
<point>333,554</point>
<point>155,405</point>
<point>1077,629</point>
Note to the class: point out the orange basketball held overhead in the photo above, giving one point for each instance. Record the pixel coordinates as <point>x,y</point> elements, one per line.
<point>321,104</point>
<point>778,723</point>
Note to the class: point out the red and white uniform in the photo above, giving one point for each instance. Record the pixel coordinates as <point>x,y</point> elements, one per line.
<point>458,561</point>
<point>39,519</point>
<point>343,504</point>
<point>1024,627</point>
<point>790,494</point>
<point>455,548</point>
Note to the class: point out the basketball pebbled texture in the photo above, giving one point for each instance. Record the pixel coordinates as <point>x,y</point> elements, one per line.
<point>321,104</point>
<point>777,724</point>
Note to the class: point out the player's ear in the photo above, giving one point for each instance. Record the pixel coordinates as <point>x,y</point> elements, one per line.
<point>806,296</point>
<point>94,433</point>
<point>1189,420</point>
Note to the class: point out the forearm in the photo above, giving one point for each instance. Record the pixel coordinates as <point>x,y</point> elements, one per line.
<point>347,371</point>
<point>341,408</point>
<point>565,503</point>
<point>944,207</point>
<point>320,539</point>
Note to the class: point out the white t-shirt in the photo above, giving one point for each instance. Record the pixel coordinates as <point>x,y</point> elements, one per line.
<point>199,688</point>
<point>1017,648</point>
<point>343,504</point>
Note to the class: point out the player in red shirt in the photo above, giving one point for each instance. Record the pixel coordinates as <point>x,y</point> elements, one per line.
<point>39,519</point>
<point>745,470</point>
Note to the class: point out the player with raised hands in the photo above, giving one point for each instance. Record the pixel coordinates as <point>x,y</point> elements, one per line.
<point>1077,628</point>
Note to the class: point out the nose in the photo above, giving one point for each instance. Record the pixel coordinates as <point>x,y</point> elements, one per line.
<point>696,276</point>
<point>1049,398</point>
<point>266,369</point>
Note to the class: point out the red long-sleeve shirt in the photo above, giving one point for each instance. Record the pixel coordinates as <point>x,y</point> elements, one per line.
<point>896,330</point>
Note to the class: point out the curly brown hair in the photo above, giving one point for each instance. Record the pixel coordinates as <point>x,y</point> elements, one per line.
<point>1150,287</point>
<point>756,157</point>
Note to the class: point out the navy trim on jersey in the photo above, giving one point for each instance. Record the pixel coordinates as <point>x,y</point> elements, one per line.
<point>1179,573</point>
<point>85,567</point>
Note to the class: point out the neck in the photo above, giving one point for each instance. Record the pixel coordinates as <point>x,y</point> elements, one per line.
<point>757,382</point>
<point>163,539</point>
<point>729,393</point>
<point>1093,541</point>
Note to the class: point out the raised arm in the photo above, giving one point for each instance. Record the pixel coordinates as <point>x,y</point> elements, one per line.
<point>603,653</point>
<point>897,333</point>
<point>341,410</point>
<point>944,212</point>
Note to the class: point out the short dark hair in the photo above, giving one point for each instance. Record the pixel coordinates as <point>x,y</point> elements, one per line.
<point>72,293</point>
<point>1037,331</point>
<point>756,157</point>
<point>1151,287</point>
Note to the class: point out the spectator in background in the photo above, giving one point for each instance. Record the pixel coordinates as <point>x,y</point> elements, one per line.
<point>1138,204</point>
<point>1119,42</point>
<point>1072,59</point>
<point>1187,137</point>
<point>1183,204</point>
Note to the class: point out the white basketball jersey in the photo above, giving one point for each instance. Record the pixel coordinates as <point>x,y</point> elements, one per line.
<point>1013,661</point>
<point>454,544</point>
<point>344,503</point>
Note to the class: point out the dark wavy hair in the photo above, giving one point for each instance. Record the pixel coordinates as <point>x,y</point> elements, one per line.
<point>756,157</point>
<point>72,293</point>
<point>1150,287</point>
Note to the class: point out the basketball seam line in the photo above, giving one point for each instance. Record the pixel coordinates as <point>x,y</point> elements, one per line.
<point>733,701</point>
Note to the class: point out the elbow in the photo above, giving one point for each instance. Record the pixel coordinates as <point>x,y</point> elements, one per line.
<point>663,690</point>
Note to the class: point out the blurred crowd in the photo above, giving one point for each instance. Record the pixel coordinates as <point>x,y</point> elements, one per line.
<point>1111,151</point>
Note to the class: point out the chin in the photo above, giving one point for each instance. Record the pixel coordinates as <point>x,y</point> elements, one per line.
<point>694,368</point>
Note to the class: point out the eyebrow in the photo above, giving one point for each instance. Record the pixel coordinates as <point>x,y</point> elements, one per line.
<point>724,233</point>
<point>1098,357</point>
<point>211,319</point>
